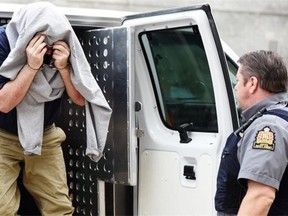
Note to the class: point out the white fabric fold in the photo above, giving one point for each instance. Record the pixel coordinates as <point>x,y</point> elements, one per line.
<point>45,18</point>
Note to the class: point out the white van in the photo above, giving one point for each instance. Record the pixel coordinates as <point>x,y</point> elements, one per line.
<point>170,84</point>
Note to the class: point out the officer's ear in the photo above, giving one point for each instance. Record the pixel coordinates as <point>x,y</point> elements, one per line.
<point>253,84</point>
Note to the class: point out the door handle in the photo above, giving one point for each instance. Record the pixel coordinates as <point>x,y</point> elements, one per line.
<point>189,172</point>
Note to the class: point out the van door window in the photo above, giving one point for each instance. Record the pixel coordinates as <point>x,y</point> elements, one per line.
<point>233,67</point>
<point>181,77</point>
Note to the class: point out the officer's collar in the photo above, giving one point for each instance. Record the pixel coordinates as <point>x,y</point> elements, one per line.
<point>274,100</point>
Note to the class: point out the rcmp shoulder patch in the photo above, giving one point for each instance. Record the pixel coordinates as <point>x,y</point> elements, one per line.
<point>265,139</point>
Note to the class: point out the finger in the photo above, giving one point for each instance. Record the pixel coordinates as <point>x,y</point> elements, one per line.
<point>36,40</point>
<point>60,56</point>
<point>36,45</point>
<point>60,45</point>
<point>63,43</point>
<point>60,50</point>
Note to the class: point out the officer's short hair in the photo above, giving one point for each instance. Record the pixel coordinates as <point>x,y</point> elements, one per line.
<point>268,67</point>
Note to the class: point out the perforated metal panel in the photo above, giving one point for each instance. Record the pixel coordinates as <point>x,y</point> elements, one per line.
<point>106,51</point>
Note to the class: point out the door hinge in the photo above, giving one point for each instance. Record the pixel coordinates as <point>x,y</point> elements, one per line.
<point>139,132</point>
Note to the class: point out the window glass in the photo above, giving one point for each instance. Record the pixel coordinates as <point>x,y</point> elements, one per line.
<point>181,77</point>
<point>233,67</point>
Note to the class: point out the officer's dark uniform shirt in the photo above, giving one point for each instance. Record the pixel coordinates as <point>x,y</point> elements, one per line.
<point>8,121</point>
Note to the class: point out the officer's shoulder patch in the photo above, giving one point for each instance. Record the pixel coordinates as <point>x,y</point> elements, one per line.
<point>265,139</point>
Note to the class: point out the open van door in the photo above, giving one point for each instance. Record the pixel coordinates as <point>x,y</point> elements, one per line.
<point>185,109</point>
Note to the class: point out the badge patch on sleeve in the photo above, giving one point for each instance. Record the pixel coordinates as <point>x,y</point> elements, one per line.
<point>265,139</point>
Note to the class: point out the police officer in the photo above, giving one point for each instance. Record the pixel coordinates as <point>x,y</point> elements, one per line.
<point>252,177</point>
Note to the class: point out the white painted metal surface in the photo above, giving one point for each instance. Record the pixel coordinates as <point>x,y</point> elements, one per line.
<point>163,190</point>
<point>78,16</point>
